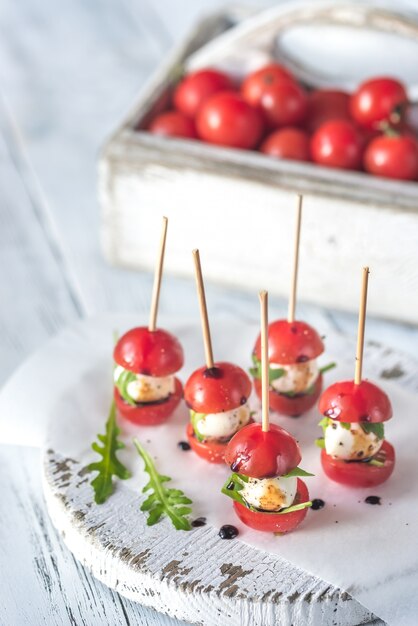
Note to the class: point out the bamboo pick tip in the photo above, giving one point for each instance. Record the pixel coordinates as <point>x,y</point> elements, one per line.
<point>262,294</point>
<point>195,252</point>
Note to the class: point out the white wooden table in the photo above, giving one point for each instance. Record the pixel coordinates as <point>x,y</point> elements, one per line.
<point>68,71</point>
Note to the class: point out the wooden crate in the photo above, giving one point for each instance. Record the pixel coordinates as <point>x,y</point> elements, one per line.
<point>238,207</point>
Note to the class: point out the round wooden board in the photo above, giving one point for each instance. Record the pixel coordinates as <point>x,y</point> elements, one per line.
<point>196,576</point>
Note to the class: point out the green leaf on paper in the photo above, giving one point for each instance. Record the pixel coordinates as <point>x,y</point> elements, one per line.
<point>109,465</point>
<point>161,500</point>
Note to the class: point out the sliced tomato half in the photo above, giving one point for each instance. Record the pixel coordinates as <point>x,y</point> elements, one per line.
<point>149,413</point>
<point>275,522</point>
<point>212,451</point>
<point>359,473</point>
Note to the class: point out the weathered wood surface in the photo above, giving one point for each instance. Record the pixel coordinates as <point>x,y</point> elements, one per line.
<point>67,76</point>
<point>344,210</point>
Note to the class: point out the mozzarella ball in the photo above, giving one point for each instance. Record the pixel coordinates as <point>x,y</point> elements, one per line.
<point>351,445</point>
<point>147,388</point>
<point>223,425</point>
<point>270,494</point>
<point>297,377</point>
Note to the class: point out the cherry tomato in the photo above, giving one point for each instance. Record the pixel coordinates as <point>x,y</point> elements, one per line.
<point>375,100</point>
<point>347,402</point>
<point>224,387</point>
<point>150,353</point>
<point>173,124</point>
<point>287,143</point>
<point>149,413</point>
<point>290,342</point>
<point>212,451</point>
<point>337,144</point>
<point>283,103</point>
<point>227,120</point>
<point>326,105</point>
<point>259,454</point>
<point>197,87</point>
<point>293,406</point>
<point>255,83</point>
<point>392,157</point>
<point>358,473</point>
<point>275,522</point>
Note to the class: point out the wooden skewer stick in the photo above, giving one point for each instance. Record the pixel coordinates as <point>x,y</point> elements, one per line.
<point>157,279</point>
<point>294,282</point>
<point>203,310</point>
<point>361,326</point>
<point>264,361</point>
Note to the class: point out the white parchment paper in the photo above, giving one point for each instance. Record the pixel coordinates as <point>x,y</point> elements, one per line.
<point>369,551</point>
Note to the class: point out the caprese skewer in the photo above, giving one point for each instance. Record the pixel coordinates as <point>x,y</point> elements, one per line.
<point>295,378</point>
<point>354,450</point>
<point>147,358</point>
<point>216,394</point>
<point>266,487</point>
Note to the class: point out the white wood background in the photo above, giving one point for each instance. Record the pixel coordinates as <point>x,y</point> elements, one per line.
<point>68,71</point>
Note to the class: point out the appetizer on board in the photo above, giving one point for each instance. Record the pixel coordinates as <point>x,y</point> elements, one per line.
<point>266,487</point>
<point>295,378</point>
<point>146,390</point>
<point>354,450</point>
<point>216,394</point>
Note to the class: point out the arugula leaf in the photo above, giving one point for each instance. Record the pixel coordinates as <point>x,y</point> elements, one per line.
<point>194,418</point>
<point>110,465</point>
<point>295,507</point>
<point>324,422</point>
<point>326,368</point>
<point>327,421</point>
<point>377,429</point>
<point>320,442</point>
<point>233,486</point>
<point>274,373</point>
<point>163,500</point>
<point>122,383</point>
<point>375,462</point>
<point>297,471</point>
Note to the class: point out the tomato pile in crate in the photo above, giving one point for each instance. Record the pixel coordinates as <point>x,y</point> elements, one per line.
<point>273,113</point>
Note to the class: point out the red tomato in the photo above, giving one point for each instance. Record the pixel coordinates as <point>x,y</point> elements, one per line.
<point>197,87</point>
<point>392,157</point>
<point>255,83</point>
<point>270,74</point>
<point>227,120</point>
<point>358,473</point>
<point>283,102</point>
<point>150,353</point>
<point>259,454</point>
<point>275,522</point>
<point>149,413</point>
<point>212,451</point>
<point>290,342</point>
<point>173,124</point>
<point>337,144</point>
<point>326,105</point>
<point>375,100</point>
<point>347,402</point>
<point>291,406</point>
<point>287,143</point>
<point>222,388</point>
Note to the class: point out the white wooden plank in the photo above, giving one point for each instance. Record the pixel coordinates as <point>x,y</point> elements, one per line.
<point>41,582</point>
